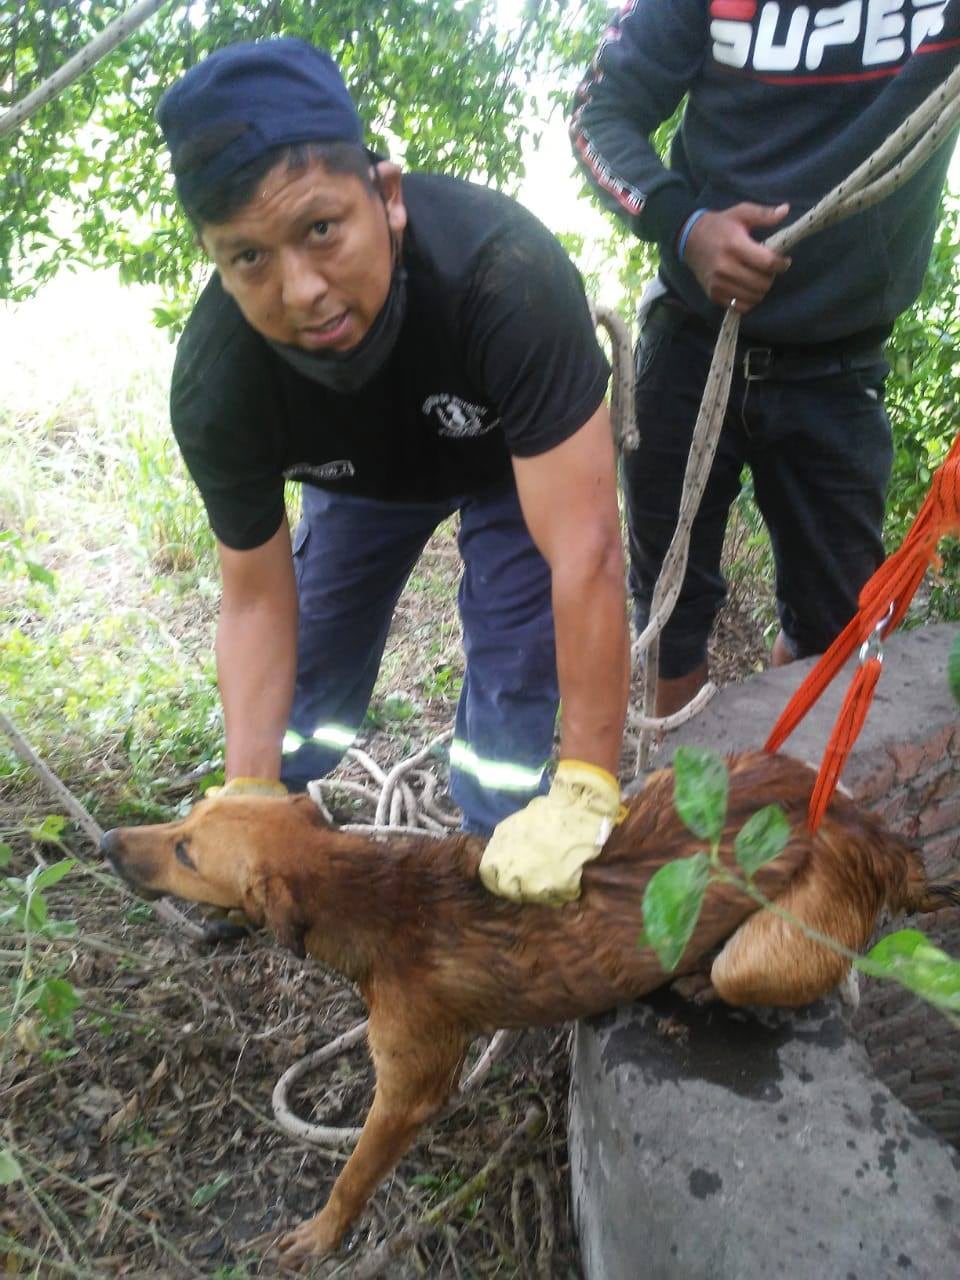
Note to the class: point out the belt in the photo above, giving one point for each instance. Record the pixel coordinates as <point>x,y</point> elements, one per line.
<point>758,363</point>
<point>786,361</point>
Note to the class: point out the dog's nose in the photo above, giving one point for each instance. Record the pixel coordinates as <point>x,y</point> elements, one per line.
<point>110,845</point>
<point>132,871</point>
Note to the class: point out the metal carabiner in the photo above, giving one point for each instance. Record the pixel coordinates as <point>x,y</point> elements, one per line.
<point>872,647</point>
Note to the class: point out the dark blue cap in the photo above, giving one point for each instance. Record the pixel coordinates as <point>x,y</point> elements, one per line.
<point>255,95</point>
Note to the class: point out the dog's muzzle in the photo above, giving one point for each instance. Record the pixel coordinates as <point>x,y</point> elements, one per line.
<point>111,848</point>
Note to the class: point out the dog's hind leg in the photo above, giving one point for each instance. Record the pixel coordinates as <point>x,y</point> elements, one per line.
<point>417,1069</point>
<point>772,961</point>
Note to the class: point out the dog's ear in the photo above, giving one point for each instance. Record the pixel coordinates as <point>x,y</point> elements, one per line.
<point>270,901</point>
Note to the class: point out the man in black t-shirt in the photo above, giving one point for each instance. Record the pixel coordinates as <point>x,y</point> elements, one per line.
<point>408,350</point>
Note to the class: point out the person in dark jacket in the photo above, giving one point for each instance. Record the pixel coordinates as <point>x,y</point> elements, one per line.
<point>783,101</point>
<point>409,350</point>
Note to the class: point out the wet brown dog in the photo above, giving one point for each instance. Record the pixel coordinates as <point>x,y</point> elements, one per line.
<point>438,959</point>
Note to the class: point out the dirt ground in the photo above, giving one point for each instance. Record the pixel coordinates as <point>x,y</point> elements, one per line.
<point>147,1139</point>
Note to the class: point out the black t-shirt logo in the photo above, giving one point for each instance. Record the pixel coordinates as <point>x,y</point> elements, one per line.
<point>459,418</point>
<point>342,469</point>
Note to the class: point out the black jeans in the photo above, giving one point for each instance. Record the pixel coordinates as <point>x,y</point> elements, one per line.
<point>816,438</point>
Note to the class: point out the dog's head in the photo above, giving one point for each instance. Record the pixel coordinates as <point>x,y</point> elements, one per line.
<point>230,851</point>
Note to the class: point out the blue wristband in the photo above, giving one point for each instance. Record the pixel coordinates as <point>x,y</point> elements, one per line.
<point>688,226</point>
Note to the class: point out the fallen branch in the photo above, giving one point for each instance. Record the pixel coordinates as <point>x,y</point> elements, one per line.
<point>535,1174</point>
<point>63,796</point>
<point>72,69</point>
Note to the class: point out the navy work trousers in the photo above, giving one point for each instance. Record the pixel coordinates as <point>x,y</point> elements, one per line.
<point>352,557</point>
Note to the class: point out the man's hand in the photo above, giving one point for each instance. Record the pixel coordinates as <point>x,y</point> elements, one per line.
<point>248,787</point>
<point>537,855</point>
<point>726,260</point>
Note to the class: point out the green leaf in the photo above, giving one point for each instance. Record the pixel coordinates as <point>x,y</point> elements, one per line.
<point>139,913</point>
<point>700,791</point>
<point>14,917</point>
<point>210,1190</point>
<point>10,1170</point>
<point>39,574</point>
<point>761,838</point>
<point>671,906</point>
<point>50,829</point>
<point>54,874</point>
<point>37,913</point>
<point>430,1181</point>
<point>61,929</point>
<point>6,853</point>
<point>909,958</point>
<point>896,946</point>
<point>399,708</point>
<point>953,669</point>
<point>57,999</point>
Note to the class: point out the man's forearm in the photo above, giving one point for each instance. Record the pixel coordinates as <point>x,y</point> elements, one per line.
<point>593,659</point>
<point>256,667</point>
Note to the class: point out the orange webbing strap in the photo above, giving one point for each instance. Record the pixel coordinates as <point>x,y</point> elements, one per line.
<point>846,730</point>
<point>884,600</point>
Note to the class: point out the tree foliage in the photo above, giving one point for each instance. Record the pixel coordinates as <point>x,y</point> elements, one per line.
<point>442,86</point>
<point>85,180</point>
<point>923,397</point>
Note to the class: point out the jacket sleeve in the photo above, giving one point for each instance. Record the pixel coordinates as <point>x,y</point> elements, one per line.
<point>649,56</point>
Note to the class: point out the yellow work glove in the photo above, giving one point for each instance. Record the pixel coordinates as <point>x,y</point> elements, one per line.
<point>248,787</point>
<point>537,855</point>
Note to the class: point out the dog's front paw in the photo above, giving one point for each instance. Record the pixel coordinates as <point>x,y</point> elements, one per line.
<point>312,1239</point>
<point>695,987</point>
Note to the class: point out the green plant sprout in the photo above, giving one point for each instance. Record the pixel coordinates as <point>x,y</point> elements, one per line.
<point>38,1005</point>
<point>953,670</point>
<point>674,896</point>
<point>15,561</point>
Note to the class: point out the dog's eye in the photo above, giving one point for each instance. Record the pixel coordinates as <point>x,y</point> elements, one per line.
<point>180,849</point>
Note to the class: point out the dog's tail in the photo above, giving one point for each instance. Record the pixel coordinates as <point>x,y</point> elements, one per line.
<point>938,894</point>
<point>897,865</point>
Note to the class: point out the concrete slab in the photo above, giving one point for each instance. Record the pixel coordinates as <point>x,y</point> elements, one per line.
<point>715,1144</point>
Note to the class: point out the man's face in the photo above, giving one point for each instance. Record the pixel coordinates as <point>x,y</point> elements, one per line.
<point>309,259</point>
